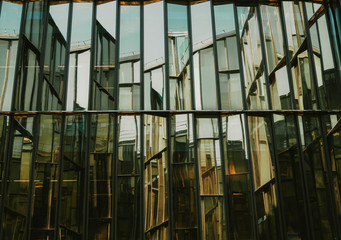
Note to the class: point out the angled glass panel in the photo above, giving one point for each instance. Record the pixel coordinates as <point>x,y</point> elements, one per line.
<point>237,178</point>
<point>228,65</point>
<point>79,58</point>
<point>129,59</point>
<point>276,59</point>
<point>72,195</point>
<point>184,191</point>
<point>211,179</point>
<point>255,87</point>
<point>292,183</point>
<point>100,176</point>
<point>16,203</point>
<point>104,82</point>
<point>10,18</point>
<point>128,223</point>
<point>45,177</point>
<point>327,74</point>
<point>203,57</point>
<point>304,89</point>
<point>156,178</point>
<point>34,17</point>
<point>180,87</point>
<point>53,89</point>
<point>316,172</point>
<point>154,56</point>
<point>264,177</point>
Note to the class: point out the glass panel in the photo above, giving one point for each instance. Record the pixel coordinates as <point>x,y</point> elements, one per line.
<point>292,184</point>
<point>256,95</point>
<point>316,172</point>
<point>184,190</point>
<point>264,177</point>
<point>203,58</point>
<point>79,65</point>
<point>9,31</point>
<point>211,182</point>
<point>304,90</point>
<point>130,64</point>
<point>34,17</point>
<point>72,195</point>
<point>16,204</point>
<point>276,59</point>
<point>128,179</point>
<point>229,76</point>
<point>100,176</point>
<point>180,90</point>
<point>54,76</point>
<point>329,86</point>
<point>156,178</point>
<point>154,55</point>
<point>237,178</point>
<point>45,177</point>
<point>104,82</point>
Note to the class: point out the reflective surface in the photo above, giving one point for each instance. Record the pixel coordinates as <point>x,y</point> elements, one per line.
<point>170,120</point>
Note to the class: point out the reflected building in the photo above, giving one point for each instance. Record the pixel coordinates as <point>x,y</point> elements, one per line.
<point>169,119</point>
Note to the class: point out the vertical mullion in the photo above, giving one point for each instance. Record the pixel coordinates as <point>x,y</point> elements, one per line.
<point>165,27</point>
<point>309,218</point>
<point>6,167</point>
<point>216,68</point>
<point>85,222</point>
<point>142,210</point>
<point>264,58</point>
<point>141,56</point>
<point>113,179</point>
<point>117,54</point>
<point>311,55</point>
<point>61,152</point>
<point>190,44</point>
<point>67,54</point>
<point>278,181</point>
<point>46,6</point>
<point>19,55</point>
<point>170,174</point>
<point>222,157</point>
<point>242,82</point>
<point>197,177</point>
<point>92,53</point>
<point>60,178</point>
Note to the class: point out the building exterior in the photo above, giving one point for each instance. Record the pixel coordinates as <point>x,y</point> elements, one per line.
<point>170,119</point>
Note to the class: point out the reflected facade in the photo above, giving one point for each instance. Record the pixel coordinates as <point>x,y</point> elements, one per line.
<point>169,119</point>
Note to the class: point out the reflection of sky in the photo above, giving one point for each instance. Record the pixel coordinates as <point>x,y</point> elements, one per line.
<point>81,22</point>
<point>130,30</point>
<point>106,13</point>
<point>177,17</point>
<point>60,13</point>
<point>201,22</point>
<point>153,32</point>
<point>10,17</point>
<point>224,18</point>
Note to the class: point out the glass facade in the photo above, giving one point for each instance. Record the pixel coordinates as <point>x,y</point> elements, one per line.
<point>170,119</point>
